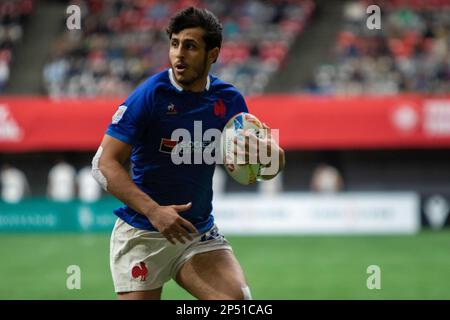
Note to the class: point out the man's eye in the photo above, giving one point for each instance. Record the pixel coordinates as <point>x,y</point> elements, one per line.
<point>174,44</point>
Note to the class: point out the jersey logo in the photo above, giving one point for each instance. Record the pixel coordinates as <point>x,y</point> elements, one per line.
<point>167,145</point>
<point>171,109</point>
<point>140,271</point>
<point>119,114</point>
<point>220,109</point>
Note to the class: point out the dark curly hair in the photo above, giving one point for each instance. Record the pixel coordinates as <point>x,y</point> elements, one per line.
<point>195,17</point>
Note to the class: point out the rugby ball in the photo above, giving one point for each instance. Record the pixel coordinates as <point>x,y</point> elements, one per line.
<point>242,173</point>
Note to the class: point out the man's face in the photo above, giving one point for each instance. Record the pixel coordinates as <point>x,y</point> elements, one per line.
<point>188,57</point>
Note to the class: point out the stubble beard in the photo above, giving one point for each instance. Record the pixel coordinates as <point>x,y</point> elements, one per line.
<point>201,74</point>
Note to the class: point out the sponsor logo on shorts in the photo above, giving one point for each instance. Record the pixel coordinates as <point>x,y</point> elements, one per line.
<point>211,235</point>
<point>140,271</point>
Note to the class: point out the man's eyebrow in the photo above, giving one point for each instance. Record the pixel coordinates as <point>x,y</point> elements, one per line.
<point>186,40</point>
<point>191,40</point>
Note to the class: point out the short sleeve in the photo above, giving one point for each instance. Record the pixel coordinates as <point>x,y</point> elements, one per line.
<point>131,117</point>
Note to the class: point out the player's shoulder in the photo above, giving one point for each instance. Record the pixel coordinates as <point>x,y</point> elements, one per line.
<point>144,96</point>
<point>155,82</point>
<point>223,88</point>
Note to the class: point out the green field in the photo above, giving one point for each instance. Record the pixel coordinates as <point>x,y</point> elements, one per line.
<point>33,266</point>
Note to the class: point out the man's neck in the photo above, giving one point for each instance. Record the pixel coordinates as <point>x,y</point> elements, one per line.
<point>200,85</point>
<point>197,86</point>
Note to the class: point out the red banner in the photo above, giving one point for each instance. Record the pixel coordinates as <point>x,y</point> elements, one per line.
<point>35,123</point>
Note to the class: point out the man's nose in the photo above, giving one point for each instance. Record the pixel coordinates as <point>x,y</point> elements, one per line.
<point>180,52</point>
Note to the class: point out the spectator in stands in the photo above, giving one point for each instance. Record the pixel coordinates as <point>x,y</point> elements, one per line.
<point>4,74</point>
<point>61,182</point>
<point>326,179</point>
<point>271,187</point>
<point>13,14</point>
<point>123,42</point>
<point>219,182</point>
<point>14,184</point>
<point>88,189</point>
<point>410,53</point>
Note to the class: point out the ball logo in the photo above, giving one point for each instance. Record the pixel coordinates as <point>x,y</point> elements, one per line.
<point>140,271</point>
<point>252,119</point>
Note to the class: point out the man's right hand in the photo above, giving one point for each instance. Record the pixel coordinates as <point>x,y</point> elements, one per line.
<point>164,218</point>
<point>167,221</point>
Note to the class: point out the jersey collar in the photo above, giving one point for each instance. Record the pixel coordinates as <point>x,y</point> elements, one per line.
<point>178,87</point>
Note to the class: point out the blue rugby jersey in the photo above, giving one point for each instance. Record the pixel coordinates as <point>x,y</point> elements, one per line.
<point>146,121</point>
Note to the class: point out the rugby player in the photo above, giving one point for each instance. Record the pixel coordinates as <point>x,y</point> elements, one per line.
<point>166,228</point>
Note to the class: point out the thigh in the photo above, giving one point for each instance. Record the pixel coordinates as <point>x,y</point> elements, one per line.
<point>141,295</point>
<point>213,275</point>
<point>140,261</point>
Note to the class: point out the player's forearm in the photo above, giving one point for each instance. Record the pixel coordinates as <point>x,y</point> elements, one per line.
<point>122,187</point>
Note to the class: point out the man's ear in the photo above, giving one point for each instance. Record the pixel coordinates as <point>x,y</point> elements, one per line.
<point>213,54</point>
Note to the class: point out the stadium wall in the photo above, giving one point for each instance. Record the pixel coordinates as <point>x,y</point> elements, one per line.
<point>288,213</point>
<point>306,123</point>
<point>390,144</point>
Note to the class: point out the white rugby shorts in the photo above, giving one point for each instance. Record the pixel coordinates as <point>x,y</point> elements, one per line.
<point>144,260</point>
